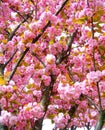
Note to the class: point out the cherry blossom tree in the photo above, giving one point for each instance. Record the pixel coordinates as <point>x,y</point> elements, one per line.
<point>52,64</point>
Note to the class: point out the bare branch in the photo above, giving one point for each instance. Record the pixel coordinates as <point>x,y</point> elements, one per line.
<point>88,126</point>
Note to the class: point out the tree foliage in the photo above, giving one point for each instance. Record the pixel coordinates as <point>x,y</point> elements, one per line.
<point>52,64</point>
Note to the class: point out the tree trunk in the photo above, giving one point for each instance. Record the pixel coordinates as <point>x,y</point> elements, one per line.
<point>38,124</point>
<point>100,122</point>
<point>2,127</point>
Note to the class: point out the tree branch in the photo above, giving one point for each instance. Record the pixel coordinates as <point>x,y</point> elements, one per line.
<point>99,96</point>
<point>18,13</point>
<point>49,23</point>
<point>17,64</point>
<point>33,41</point>
<point>66,53</point>
<point>70,74</point>
<point>18,26</point>
<point>2,69</point>
<point>72,111</point>
<point>34,54</point>
<point>11,57</point>
<point>92,31</point>
<point>92,102</point>
<point>2,66</point>
<point>64,3</point>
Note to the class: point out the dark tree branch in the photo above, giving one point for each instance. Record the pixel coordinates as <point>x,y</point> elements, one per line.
<point>66,53</point>
<point>36,7</point>
<point>2,66</point>
<point>98,89</point>
<point>38,124</point>
<point>40,34</point>
<point>92,31</point>
<point>34,54</point>
<point>18,13</point>
<point>7,32</point>
<point>70,74</point>
<point>49,23</point>
<point>11,57</point>
<point>99,96</point>
<point>92,102</point>
<point>14,31</point>
<point>46,92</point>
<point>64,3</point>
<point>2,69</point>
<point>72,111</point>
<point>92,27</point>
<point>18,62</point>
<point>88,126</point>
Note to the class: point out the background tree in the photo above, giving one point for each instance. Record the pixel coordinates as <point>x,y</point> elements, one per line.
<point>52,63</point>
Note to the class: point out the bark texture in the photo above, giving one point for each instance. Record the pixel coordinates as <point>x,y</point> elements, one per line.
<point>101,120</point>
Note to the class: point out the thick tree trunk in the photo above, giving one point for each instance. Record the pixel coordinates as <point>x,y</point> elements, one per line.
<point>101,120</point>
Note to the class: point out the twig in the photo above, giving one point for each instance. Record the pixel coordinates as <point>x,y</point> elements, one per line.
<point>66,53</point>
<point>92,28</point>
<point>88,126</point>
<point>1,69</point>
<point>14,31</point>
<point>99,96</point>
<point>92,102</point>
<point>36,8</point>
<point>34,54</point>
<point>17,13</point>
<point>71,40</point>
<point>11,57</point>
<point>40,34</point>
<point>61,7</point>
<point>7,32</point>
<point>98,89</point>
<point>92,31</point>
<point>70,75</point>
<point>17,64</point>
